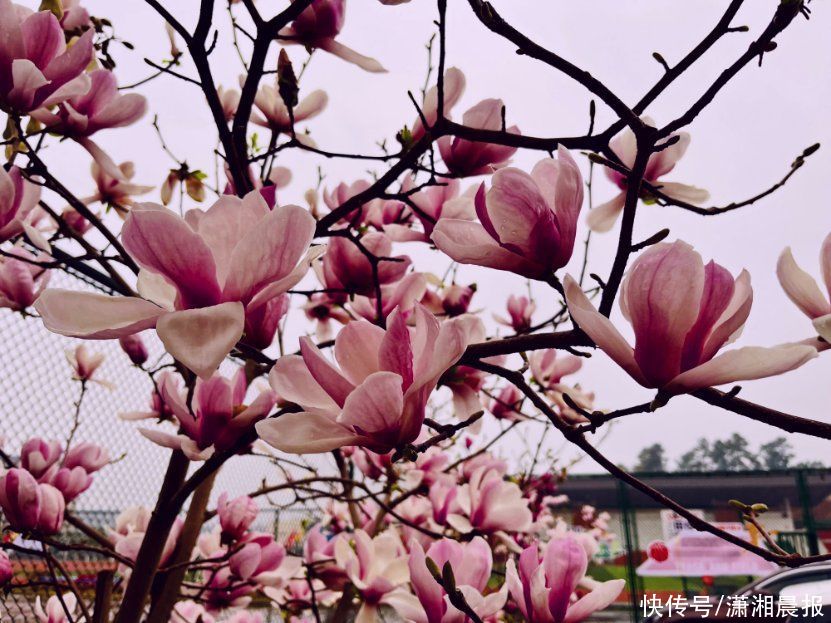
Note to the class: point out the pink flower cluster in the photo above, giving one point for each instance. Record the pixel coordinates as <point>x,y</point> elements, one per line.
<point>33,496</point>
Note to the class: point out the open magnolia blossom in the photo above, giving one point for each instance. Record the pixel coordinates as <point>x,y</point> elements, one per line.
<point>274,112</point>
<point>489,504</point>
<point>465,158</point>
<point>682,313</point>
<point>318,25</point>
<point>377,398</point>
<point>544,588</point>
<point>38,69</point>
<point>58,609</point>
<point>117,192</point>
<point>803,290</point>
<point>218,418</point>
<point>603,217</point>
<point>471,564</point>
<point>201,277</point>
<point>98,108</point>
<point>375,566</point>
<point>18,203</point>
<point>454,88</point>
<point>527,223</point>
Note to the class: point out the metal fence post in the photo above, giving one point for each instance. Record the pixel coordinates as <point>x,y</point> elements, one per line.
<point>630,542</point>
<point>807,512</point>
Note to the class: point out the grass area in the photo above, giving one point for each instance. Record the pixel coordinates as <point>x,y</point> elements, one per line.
<point>722,585</point>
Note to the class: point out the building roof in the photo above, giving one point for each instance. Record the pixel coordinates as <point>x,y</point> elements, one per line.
<point>704,490</point>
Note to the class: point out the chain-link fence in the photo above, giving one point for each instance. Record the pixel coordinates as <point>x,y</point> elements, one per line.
<point>688,563</point>
<point>39,400</point>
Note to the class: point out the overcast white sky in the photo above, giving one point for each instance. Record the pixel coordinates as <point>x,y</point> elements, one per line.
<point>741,144</point>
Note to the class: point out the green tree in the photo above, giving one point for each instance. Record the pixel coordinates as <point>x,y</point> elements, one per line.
<point>776,454</point>
<point>733,454</point>
<point>697,459</point>
<point>652,459</point>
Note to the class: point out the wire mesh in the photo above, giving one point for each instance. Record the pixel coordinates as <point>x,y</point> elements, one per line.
<point>39,400</point>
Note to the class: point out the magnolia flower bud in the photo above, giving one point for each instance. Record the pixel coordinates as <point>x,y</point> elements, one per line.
<point>71,482</point>
<point>38,455</point>
<point>456,299</point>
<point>90,456</point>
<point>236,516</point>
<point>20,499</point>
<point>52,510</point>
<point>134,347</point>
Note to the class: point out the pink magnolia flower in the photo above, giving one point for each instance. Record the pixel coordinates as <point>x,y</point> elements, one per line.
<point>682,313</point>
<point>229,98</point>
<point>36,67</point>
<point>471,564</point>
<point>28,505</point>
<point>18,199</point>
<point>487,461</point>
<point>463,157</point>
<point>455,299</point>
<point>454,87</point>
<point>236,515</point>
<point>52,508</point>
<point>75,221</point>
<point>377,398</point>
<point>130,528</point>
<point>803,290</point>
<point>71,482</point>
<point>370,213</point>
<point>371,464</point>
<point>85,364</point>
<point>603,217</point>
<point>262,322</point>
<point>487,503</point>
<point>275,113</point>
<point>219,417</point>
<point>258,557</point>
<point>201,277</point>
<point>324,309</point>
<point>159,409</point>
<point>38,455</point>
<point>99,108</point>
<point>319,550</point>
<point>113,191</point>
<point>134,347</point>
<point>548,369</point>
<point>437,202</point>
<point>54,611</point>
<point>506,404</point>
<point>319,24</point>
<point>6,569</point>
<point>222,590</point>
<point>376,566</point>
<point>280,177</point>
<point>403,295</point>
<point>442,495</point>
<point>353,270</point>
<point>75,17</point>
<point>428,468</point>
<point>544,589</point>
<point>465,383</point>
<point>88,455</point>
<point>520,311</point>
<point>20,499</point>
<point>527,222</point>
